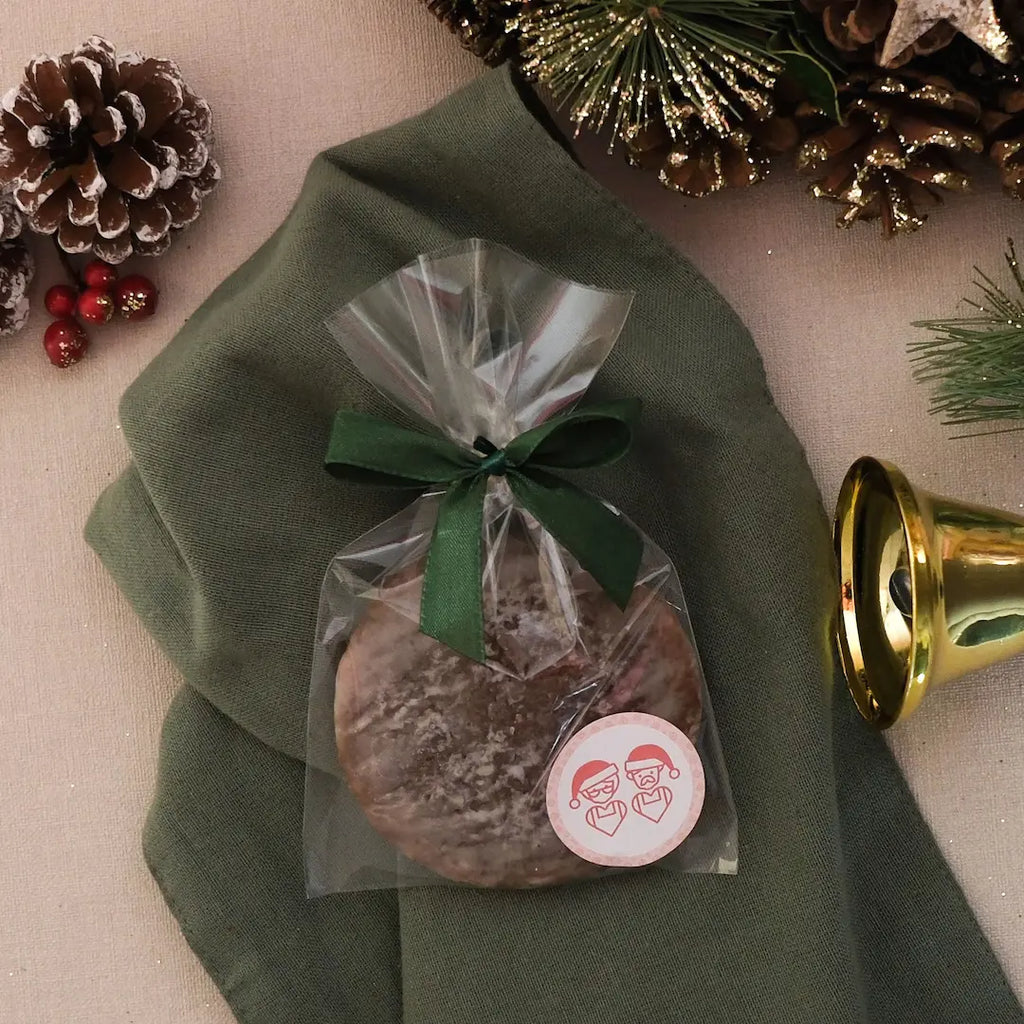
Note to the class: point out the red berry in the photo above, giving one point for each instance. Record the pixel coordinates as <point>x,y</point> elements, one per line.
<point>61,300</point>
<point>65,342</point>
<point>95,305</point>
<point>135,297</point>
<point>98,274</point>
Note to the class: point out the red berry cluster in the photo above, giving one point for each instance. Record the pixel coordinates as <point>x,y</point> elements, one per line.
<point>133,297</point>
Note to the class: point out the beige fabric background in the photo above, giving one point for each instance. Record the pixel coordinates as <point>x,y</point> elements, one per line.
<point>84,935</point>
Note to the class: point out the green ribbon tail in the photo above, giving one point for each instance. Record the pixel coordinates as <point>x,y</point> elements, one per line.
<point>602,541</point>
<point>451,603</point>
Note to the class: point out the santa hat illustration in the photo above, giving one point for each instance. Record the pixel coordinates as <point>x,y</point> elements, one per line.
<point>650,755</point>
<point>590,774</point>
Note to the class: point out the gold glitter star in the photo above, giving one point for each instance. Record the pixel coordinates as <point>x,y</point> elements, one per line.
<point>976,19</point>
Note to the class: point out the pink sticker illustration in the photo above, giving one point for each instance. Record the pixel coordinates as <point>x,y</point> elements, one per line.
<point>626,790</point>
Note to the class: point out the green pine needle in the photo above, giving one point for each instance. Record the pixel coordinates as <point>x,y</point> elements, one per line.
<point>619,61</point>
<point>976,364</point>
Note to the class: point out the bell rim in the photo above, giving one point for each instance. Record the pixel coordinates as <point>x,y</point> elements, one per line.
<point>913,684</point>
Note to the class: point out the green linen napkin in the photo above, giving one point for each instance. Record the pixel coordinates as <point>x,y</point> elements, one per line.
<point>219,532</point>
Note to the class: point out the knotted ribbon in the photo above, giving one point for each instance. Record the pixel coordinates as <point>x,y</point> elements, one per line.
<point>371,450</point>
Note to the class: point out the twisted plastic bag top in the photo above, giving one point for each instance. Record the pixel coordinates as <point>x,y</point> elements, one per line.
<point>480,342</point>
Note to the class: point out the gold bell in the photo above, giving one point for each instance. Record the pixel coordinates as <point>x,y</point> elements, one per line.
<point>930,589</point>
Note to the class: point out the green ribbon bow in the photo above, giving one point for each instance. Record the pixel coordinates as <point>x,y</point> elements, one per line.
<point>370,450</point>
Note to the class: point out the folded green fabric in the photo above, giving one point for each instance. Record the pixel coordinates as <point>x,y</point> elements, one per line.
<point>219,533</point>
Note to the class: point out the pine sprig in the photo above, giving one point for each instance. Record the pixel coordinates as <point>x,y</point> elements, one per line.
<point>976,364</point>
<point>617,61</point>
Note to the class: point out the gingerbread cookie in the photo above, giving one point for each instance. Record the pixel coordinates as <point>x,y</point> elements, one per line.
<point>448,757</point>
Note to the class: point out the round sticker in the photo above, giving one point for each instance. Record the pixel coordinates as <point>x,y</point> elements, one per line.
<point>626,790</point>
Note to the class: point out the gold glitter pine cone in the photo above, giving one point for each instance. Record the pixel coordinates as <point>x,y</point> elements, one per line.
<point>858,28</point>
<point>697,160</point>
<point>893,148</point>
<point>16,272</point>
<point>1004,128</point>
<point>487,28</point>
<point>109,152</point>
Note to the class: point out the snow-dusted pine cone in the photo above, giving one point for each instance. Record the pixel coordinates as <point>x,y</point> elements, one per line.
<point>16,272</point>
<point>12,222</point>
<point>108,151</point>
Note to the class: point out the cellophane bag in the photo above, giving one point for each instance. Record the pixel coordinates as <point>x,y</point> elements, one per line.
<point>440,765</point>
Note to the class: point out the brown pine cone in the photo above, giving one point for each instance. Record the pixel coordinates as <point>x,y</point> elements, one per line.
<point>12,223</point>
<point>699,161</point>
<point>853,25</point>
<point>16,272</point>
<point>1004,129</point>
<point>892,149</point>
<point>858,28</point>
<point>108,151</point>
<point>485,27</point>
